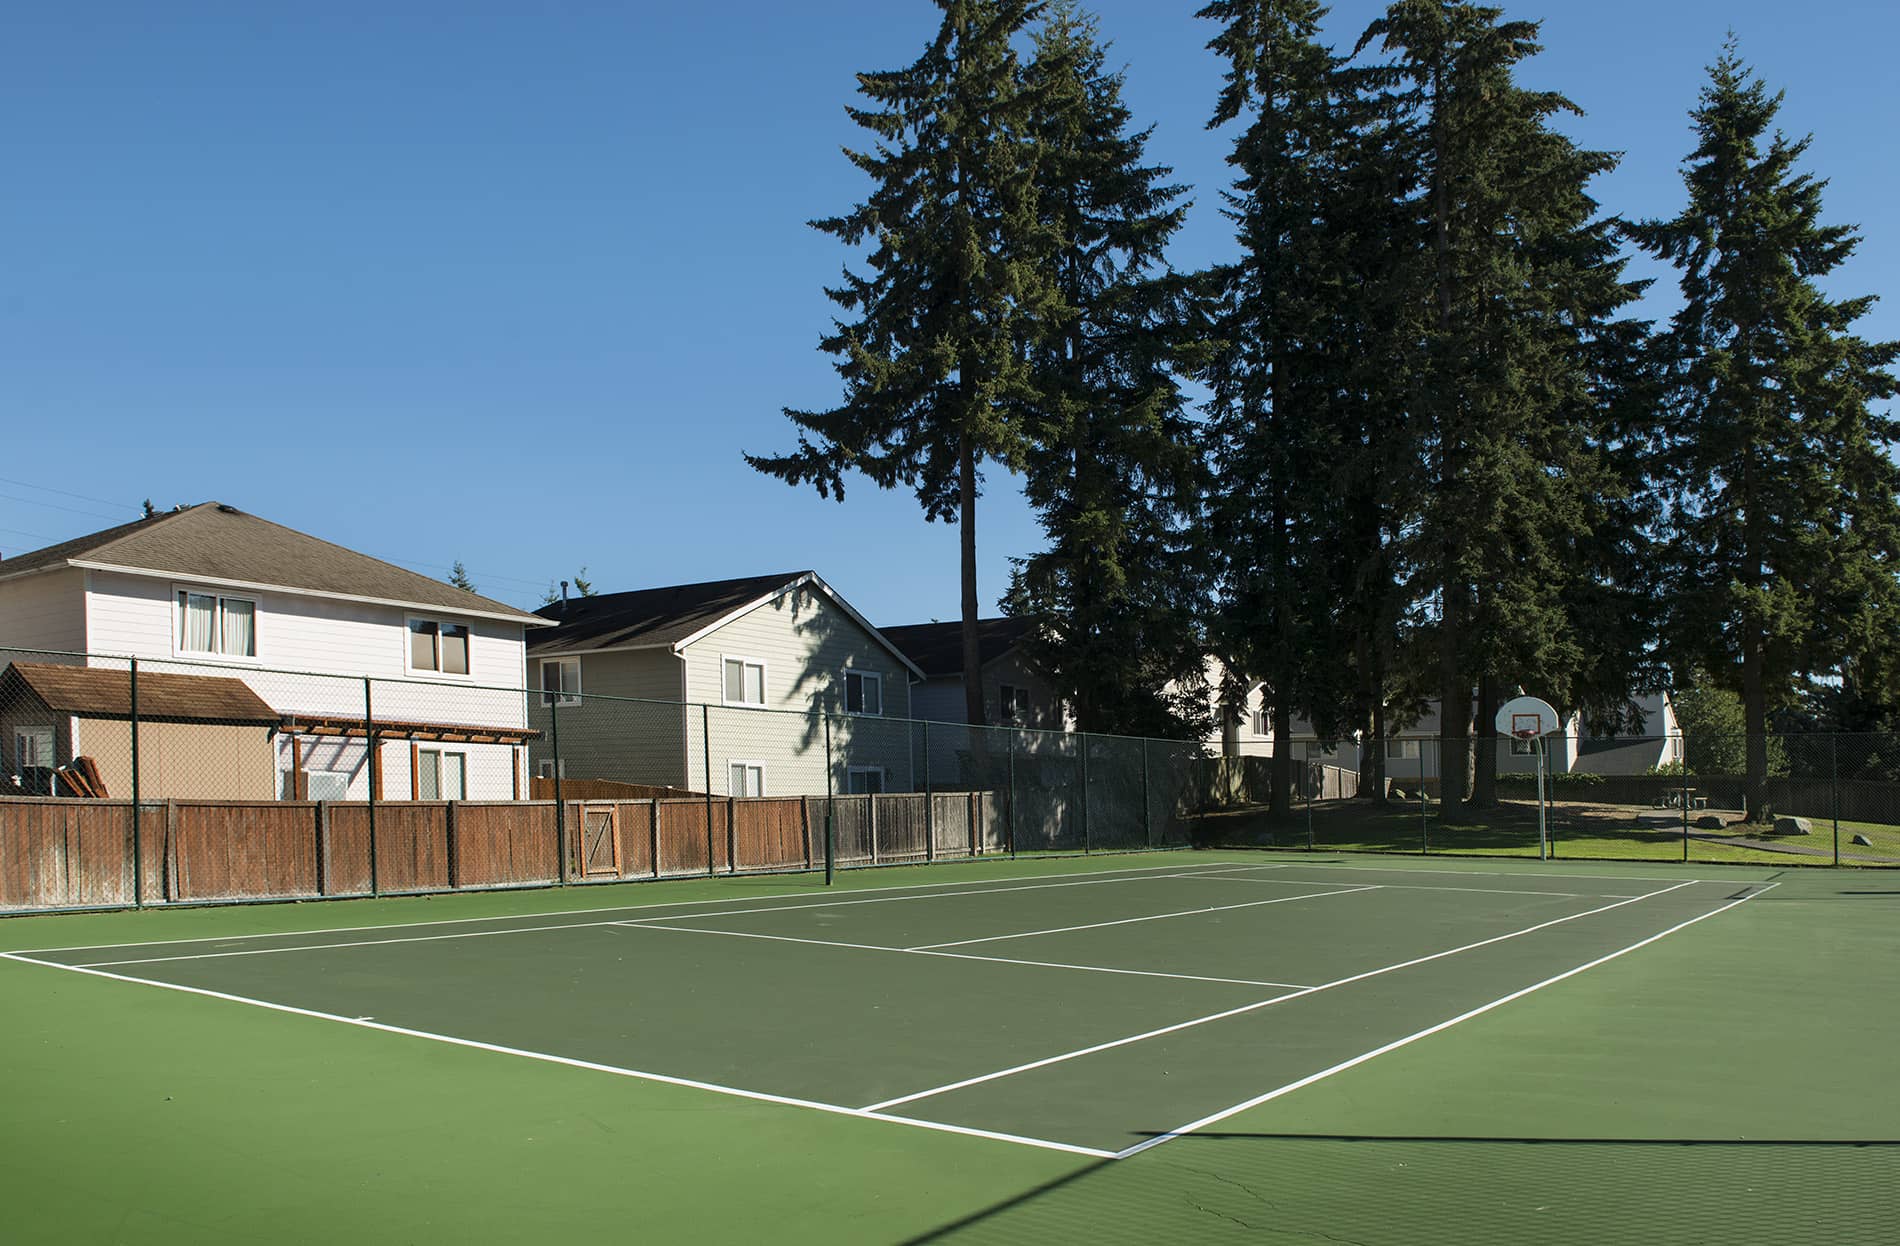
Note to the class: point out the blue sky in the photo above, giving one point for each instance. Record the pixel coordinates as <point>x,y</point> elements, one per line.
<point>516,284</point>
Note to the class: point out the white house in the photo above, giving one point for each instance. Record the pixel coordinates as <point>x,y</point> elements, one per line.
<point>332,640</point>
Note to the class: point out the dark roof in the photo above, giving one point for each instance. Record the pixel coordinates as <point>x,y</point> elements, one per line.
<point>215,541</point>
<point>937,648</point>
<point>649,617</point>
<point>106,693</point>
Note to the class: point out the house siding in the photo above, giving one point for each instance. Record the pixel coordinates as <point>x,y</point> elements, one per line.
<point>629,725</point>
<point>46,611</point>
<point>806,643</point>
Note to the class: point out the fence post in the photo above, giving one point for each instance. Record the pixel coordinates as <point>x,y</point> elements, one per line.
<point>1834,782</point>
<point>560,804</point>
<point>1424,807</point>
<point>930,802</point>
<point>1310,784</point>
<point>370,772</point>
<point>1685,798</point>
<point>831,807</point>
<point>1087,830</point>
<point>1147,805</point>
<point>705,761</point>
<point>138,849</point>
<point>452,849</point>
<point>1009,748</point>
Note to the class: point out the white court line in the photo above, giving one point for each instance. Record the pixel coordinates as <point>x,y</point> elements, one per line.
<point>1078,875</point>
<point>1498,891</point>
<point>906,951</point>
<point>1342,1066</point>
<point>1524,873</point>
<point>1247,1008</point>
<point>512,930</point>
<point>835,1109</point>
<point>1152,917</point>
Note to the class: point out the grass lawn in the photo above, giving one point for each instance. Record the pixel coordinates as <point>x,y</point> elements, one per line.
<point>1578,830</point>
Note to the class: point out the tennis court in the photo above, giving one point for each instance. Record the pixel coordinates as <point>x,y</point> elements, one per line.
<point>1102,1011</point>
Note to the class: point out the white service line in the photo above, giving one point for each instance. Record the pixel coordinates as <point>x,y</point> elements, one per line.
<point>1078,875</point>
<point>610,921</point>
<point>365,1023</point>
<point>1152,917</point>
<point>1342,1066</point>
<point>1247,1008</point>
<point>1524,873</point>
<point>998,960</point>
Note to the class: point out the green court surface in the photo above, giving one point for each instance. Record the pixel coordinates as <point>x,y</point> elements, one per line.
<point>1182,1046</point>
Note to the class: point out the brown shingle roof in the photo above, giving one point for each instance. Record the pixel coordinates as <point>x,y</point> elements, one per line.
<point>649,616</point>
<point>104,693</point>
<point>215,541</point>
<point>937,648</point>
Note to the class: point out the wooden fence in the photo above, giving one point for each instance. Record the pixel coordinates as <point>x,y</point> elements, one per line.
<point>60,853</point>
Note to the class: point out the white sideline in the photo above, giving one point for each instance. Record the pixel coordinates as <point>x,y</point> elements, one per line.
<point>1247,1008</point>
<point>1342,1066</point>
<point>906,951</point>
<point>835,1109</point>
<point>611,921</point>
<point>1078,875</point>
<point>1152,917</point>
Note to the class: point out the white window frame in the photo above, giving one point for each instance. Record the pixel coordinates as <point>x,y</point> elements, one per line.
<point>883,780</point>
<point>180,591</point>
<point>744,662</point>
<point>876,677</point>
<point>735,763</point>
<point>20,733</point>
<point>564,696</point>
<point>1401,750</point>
<point>544,769</point>
<point>1257,725</point>
<point>441,756</point>
<point>436,672</point>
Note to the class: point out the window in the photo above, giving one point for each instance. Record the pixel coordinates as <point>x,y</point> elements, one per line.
<point>1401,750</point>
<point>33,749</point>
<point>745,778</point>
<point>208,623</point>
<point>863,692</point>
<point>545,769</point>
<point>437,646</point>
<point>865,781</point>
<point>1015,704</point>
<point>560,681</point>
<point>1259,723</point>
<point>440,775</point>
<point>744,682</point>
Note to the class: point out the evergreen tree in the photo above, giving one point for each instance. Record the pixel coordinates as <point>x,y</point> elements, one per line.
<point>1267,379</point>
<point>1111,467</point>
<point>1785,534</point>
<point>458,576</point>
<point>1523,292</point>
<point>932,353</point>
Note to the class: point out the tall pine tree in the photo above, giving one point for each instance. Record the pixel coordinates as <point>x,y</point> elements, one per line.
<point>932,354</point>
<point>1785,534</point>
<point>1267,383</point>
<point>1523,282</point>
<point>1111,469</point>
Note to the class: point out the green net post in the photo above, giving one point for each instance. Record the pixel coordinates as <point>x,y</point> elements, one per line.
<point>138,854</point>
<point>372,771</point>
<point>1834,783</point>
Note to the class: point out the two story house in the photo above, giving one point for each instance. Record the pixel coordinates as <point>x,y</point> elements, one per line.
<point>740,686</point>
<point>1013,694</point>
<point>380,680</point>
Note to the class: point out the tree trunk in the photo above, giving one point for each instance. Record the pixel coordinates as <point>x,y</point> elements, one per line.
<point>1281,802</point>
<point>1754,717</point>
<point>1484,788</point>
<point>966,538</point>
<point>1454,705</point>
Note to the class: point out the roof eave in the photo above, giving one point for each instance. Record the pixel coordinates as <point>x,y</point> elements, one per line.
<point>521,617</point>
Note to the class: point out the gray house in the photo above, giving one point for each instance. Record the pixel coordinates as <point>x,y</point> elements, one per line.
<point>718,686</point>
<point>1013,694</point>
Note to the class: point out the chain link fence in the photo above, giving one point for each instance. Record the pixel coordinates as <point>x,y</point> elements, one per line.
<point>161,781</point>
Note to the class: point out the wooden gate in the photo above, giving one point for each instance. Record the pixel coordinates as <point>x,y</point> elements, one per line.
<point>600,841</point>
